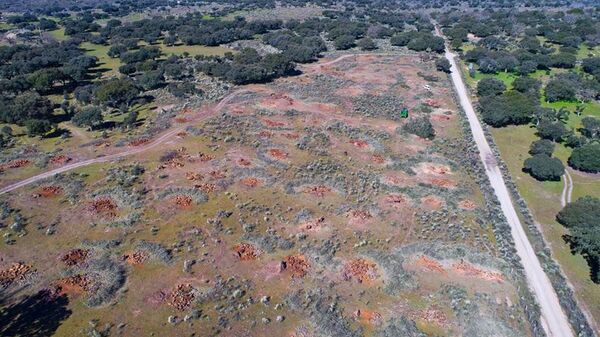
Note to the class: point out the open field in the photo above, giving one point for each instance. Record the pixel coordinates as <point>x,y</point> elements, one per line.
<point>299,208</point>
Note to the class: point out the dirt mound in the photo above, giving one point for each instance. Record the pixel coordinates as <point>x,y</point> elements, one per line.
<point>76,284</point>
<point>429,264</point>
<point>218,174</point>
<point>246,251</point>
<point>317,191</point>
<point>15,273</point>
<point>265,134</point>
<point>17,163</point>
<point>194,176</point>
<point>378,159</point>
<point>313,225</point>
<point>135,258</point>
<point>297,265</point>
<point>432,202</point>
<point>104,206</point>
<point>361,144</point>
<point>369,317</point>
<point>182,200</point>
<point>467,269</point>
<point>59,160</point>
<point>138,142</point>
<point>203,157</point>
<point>272,123</point>
<point>277,153</point>
<point>250,182</point>
<point>74,257</point>
<point>361,270</point>
<point>431,315</point>
<point>436,169</point>
<point>181,297</point>
<point>206,187</point>
<point>445,183</point>
<point>432,103</point>
<point>50,191</point>
<point>396,199</point>
<point>244,162</point>
<point>290,135</point>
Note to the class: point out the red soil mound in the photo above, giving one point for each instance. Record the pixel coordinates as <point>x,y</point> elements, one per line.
<point>50,191</point>
<point>104,206</point>
<point>74,257</point>
<point>59,160</point>
<point>297,265</point>
<point>318,191</point>
<point>467,204</point>
<point>76,284</point>
<point>361,270</point>
<point>182,200</point>
<point>138,142</point>
<point>430,264</point>
<point>369,317</point>
<point>361,144</point>
<point>244,162</point>
<point>194,176</point>
<point>250,182</point>
<point>181,297</point>
<point>246,251</point>
<point>470,270</point>
<point>135,258</point>
<point>16,272</point>
<point>272,123</point>
<point>277,153</point>
<point>14,164</point>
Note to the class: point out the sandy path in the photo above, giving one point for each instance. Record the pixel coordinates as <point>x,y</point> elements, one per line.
<point>164,137</point>
<point>553,318</point>
<point>567,191</point>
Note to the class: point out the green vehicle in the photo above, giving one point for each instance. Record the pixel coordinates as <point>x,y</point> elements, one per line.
<point>404,113</point>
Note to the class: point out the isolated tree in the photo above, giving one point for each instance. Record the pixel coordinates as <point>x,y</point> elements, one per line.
<point>543,167</point>
<point>582,218</point>
<point>490,86</point>
<point>89,116</point>
<point>38,127</point>
<point>344,42</point>
<point>542,146</point>
<point>366,44</point>
<point>443,64</point>
<point>586,158</point>
<point>116,92</point>
<point>420,126</point>
<point>552,130</point>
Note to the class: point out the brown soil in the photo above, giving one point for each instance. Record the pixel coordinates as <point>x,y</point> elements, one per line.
<point>265,134</point>
<point>206,187</point>
<point>470,270</point>
<point>368,317</point>
<point>50,191</point>
<point>277,153</point>
<point>430,264</point>
<point>432,103</point>
<point>59,160</point>
<point>104,206</point>
<point>246,251</point>
<point>14,164</point>
<point>74,257</point>
<point>432,202</point>
<point>138,142</point>
<point>467,204</point>
<point>378,159</point>
<point>244,162</point>
<point>438,169</point>
<point>194,176</point>
<point>181,120</point>
<point>297,265</point>
<point>432,315</point>
<point>361,270</point>
<point>16,272</point>
<point>181,297</point>
<point>135,258</point>
<point>203,157</point>
<point>272,123</point>
<point>360,215</point>
<point>250,182</point>
<point>182,134</point>
<point>182,200</point>
<point>318,191</point>
<point>290,135</point>
<point>218,174</point>
<point>445,183</point>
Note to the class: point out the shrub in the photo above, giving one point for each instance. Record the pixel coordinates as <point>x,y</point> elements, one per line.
<point>552,130</point>
<point>543,167</point>
<point>586,158</point>
<point>420,126</point>
<point>344,42</point>
<point>366,44</point>
<point>542,146</point>
<point>490,86</point>
<point>443,64</point>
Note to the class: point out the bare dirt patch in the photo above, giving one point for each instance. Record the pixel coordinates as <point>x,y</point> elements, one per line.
<point>59,160</point>
<point>15,273</point>
<point>182,200</point>
<point>429,264</point>
<point>50,191</point>
<point>135,258</point>
<point>467,269</point>
<point>181,297</point>
<point>432,202</point>
<point>103,206</point>
<point>318,190</point>
<point>74,257</point>
<point>467,204</point>
<point>277,153</point>
<point>74,285</point>
<point>250,182</point>
<point>368,317</point>
<point>17,163</point>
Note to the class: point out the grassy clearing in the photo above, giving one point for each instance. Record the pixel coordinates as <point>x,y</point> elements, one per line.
<point>106,64</point>
<point>58,34</point>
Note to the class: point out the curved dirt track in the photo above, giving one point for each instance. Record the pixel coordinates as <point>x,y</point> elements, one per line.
<point>553,318</point>
<point>567,191</point>
<point>164,137</point>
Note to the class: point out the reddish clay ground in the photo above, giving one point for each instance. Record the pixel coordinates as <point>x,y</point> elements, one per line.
<point>50,191</point>
<point>470,270</point>
<point>74,257</point>
<point>14,164</point>
<point>182,200</point>
<point>429,264</point>
<point>104,206</point>
<point>16,272</point>
<point>277,153</point>
<point>74,285</point>
<point>368,317</point>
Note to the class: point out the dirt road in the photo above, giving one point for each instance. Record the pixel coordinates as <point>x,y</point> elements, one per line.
<point>567,191</point>
<point>553,318</point>
<point>164,137</point>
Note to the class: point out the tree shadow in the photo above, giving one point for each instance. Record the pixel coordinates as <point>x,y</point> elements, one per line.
<point>592,260</point>
<point>34,315</point>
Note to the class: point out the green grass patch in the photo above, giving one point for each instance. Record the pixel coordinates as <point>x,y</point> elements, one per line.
<point>194,50</point>
<point>58,34</point>
<point>106,64</point>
